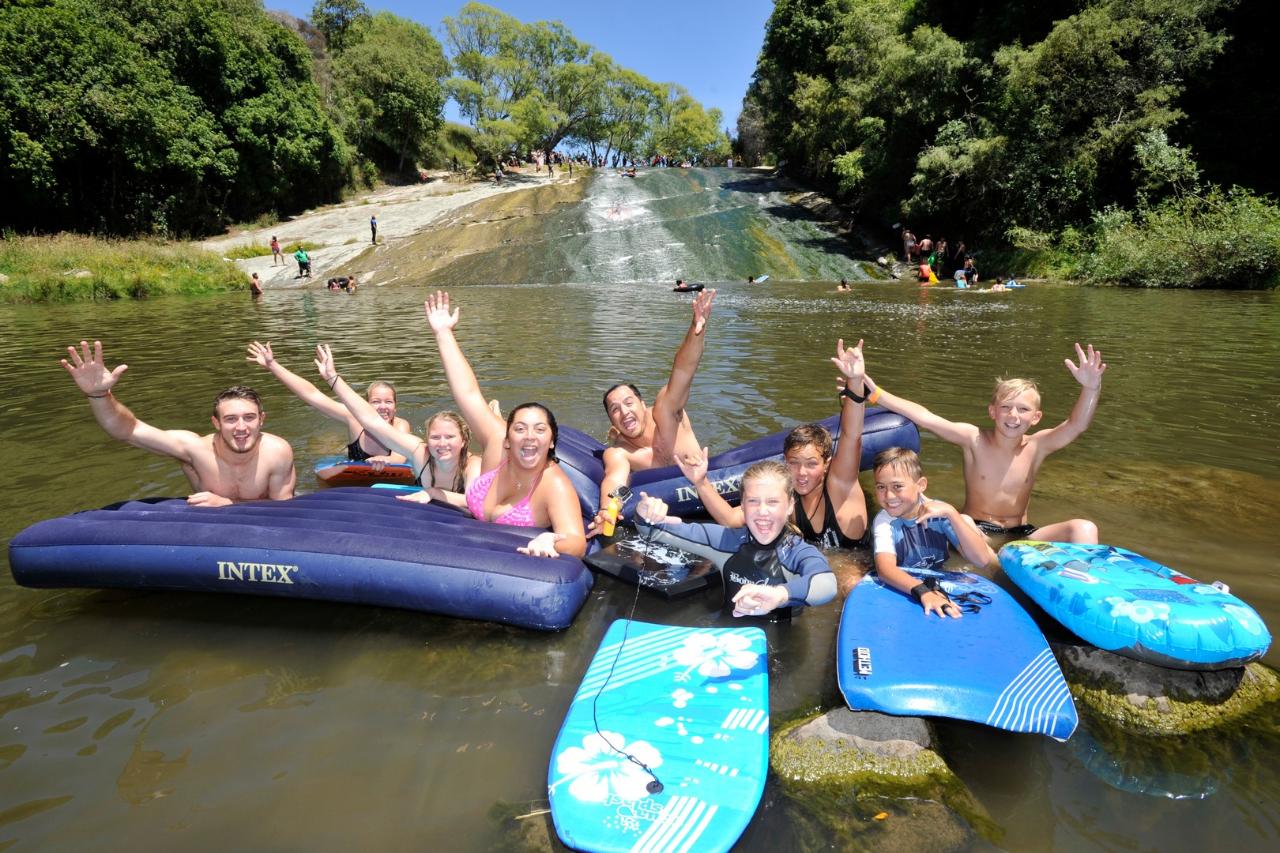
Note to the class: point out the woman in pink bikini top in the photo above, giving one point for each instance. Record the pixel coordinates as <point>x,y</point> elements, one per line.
<point>519,483</point>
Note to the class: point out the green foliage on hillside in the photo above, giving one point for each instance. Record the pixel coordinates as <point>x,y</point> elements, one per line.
<point>999,120</point>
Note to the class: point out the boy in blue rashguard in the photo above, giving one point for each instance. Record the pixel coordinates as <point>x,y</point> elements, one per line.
<point>911,531</point>
<point>765,565</point>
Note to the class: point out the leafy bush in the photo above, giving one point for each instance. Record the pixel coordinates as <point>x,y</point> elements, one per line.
<point>1217,238</point>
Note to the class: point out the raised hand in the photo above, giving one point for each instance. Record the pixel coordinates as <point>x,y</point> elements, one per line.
<point>1090,369</point>
<point>702,310</point>
<point>652,510</point>
<point>260,354</point>
<point>324,363</point>
<point>851,365</point>
<point>694,466</point>
<point>89,370</point>
<point>438,315</point>
<point>930,509</point>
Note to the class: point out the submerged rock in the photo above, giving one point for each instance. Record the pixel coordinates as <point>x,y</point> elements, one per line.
<point>859,773</point>
<point>1155,700</point>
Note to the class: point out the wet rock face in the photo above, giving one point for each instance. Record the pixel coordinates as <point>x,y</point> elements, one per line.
<point>1148,699</point>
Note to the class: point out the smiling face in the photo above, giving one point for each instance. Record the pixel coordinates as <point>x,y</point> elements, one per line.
<point>766,506</point>
<point>383,399</point>
<point>445,441</point>
<point>530,437</point>
<point>1015,414</point>
<point>626,411</point>
<point>808,468</point>
<point>897,492</point>
<point>239,424</point>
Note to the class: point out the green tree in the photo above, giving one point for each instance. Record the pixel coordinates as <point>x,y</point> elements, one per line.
<point>389,86</point>
<point>340,21</point>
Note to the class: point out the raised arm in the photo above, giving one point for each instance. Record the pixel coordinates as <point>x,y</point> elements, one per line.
<point>404,443</point>
<point>261,355</point>
<point>690,353</point>
<point>88,368</point>
<point>950,431</point>
<point>843,473</point>
<point>1089,374</point>
<point>694,468</point>
<point>485,425</point>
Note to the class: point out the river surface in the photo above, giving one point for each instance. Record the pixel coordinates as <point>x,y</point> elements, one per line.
<point>144,720</point>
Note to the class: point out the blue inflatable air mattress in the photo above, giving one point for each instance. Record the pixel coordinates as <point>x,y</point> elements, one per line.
<point>580,455</point>
<point>352,545</point>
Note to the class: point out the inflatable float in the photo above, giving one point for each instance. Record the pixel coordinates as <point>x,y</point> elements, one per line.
<point>688,288</point>
<point>341,471</point>
<point>360,546</point>
<point>580,454</point>
<point>1124,603</point>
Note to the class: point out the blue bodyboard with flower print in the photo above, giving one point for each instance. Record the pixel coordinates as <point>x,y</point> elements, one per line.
<point>666,744</point>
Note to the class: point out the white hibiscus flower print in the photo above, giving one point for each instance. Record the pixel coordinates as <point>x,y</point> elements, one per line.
<point>716,655</point>
<point>595,770</point>
<point>1141,612</point>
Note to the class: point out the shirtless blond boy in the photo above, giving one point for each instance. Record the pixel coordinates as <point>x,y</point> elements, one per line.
<point>1001,462</point>
<point>645,437</point>
<point>237,462</point>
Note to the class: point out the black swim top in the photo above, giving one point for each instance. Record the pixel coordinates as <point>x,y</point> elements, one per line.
<point>356,453</point>
<point>831,536</point>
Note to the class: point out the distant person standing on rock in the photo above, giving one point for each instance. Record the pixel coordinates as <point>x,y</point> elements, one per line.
<point>373,229</point>
<point>276,254</point>
<point>304,262</point>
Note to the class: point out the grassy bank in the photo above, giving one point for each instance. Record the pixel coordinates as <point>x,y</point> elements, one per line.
<point>71,267</point>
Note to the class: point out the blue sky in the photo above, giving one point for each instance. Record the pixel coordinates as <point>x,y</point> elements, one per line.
<point>707,46</point>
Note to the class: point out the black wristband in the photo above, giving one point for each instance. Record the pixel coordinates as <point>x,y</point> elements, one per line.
<point>98,396</point>
<point>854,397</point>
<point>334,381</point>
<point>927,585</point>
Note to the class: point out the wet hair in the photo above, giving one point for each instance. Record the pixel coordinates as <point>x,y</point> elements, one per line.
<point>459,483</point>
<point>551,419</point>
<point>806,434</point>
<point>900,459</point>
<point>605,398</point>
<point>1007,388</point>
<point>772,469</point>
<point>382,383</point>
<point>238,392</point>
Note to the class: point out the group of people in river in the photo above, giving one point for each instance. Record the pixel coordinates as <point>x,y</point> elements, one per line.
<point>789,510</point>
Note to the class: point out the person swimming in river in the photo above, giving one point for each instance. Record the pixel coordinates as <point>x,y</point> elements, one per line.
<point>831,510</point>
<point>642,437</point>
<point>519,482</point>
<point>381,396</point>
<point>443,465</point>
<point>765,564</point>
<point>236,462</point>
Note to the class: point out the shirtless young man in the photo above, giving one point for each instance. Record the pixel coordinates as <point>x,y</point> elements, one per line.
<point>652,437</point>
<point>237,462</point>
<point>1001,462</point>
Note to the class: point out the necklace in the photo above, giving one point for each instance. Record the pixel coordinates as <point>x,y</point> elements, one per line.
<point>816,507</point>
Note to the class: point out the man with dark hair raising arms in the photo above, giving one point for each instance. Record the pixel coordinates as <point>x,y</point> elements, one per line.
<point>645,437</point>
<point>236,462</point>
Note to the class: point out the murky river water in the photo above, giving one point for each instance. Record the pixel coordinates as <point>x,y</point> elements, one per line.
<point>147,720</point>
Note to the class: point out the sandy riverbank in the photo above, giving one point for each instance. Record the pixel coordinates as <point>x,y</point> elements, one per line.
<point>342,230</point>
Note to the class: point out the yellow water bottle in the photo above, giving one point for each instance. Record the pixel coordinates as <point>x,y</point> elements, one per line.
<point>611,510</point>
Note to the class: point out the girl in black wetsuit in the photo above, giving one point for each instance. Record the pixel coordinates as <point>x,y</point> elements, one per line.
<point>830,508</point>
<point>381,396</point>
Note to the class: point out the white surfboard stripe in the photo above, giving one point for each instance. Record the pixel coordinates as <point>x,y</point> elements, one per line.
<point>680,824</point>
<point>1031,701</point>
<point>1013,698</point>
